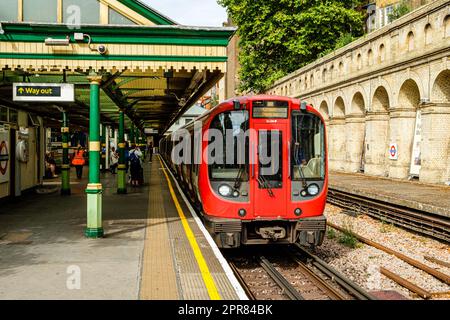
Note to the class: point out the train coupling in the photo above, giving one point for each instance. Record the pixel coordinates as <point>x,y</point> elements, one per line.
<point>272,233</point>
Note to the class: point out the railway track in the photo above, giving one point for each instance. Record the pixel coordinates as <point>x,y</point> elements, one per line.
<point>421,222</point>
<point>292,274</point>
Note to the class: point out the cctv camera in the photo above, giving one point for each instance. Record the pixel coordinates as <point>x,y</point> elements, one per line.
<point>102,49</point>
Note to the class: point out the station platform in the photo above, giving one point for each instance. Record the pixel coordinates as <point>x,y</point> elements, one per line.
<point>425,197</point>
<point>153,246</point>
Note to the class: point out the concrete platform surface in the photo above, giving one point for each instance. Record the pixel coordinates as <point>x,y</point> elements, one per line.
<point>144,255</point>
<point>429,198</point>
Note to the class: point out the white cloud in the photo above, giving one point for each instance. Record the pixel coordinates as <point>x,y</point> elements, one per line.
<point>191,12</point>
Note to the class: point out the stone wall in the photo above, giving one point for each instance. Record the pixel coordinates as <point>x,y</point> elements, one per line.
<point>372,91</point>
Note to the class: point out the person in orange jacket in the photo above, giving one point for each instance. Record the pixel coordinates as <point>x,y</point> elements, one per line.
<point>78,161</point>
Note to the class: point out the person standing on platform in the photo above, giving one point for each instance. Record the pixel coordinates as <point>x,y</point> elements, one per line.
<point>150,151</point>
<point>135,166</point>
<point>114,160</point>
<point>78,161</point>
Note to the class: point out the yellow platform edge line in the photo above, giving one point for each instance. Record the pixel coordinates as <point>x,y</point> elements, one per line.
<point>206,274</point>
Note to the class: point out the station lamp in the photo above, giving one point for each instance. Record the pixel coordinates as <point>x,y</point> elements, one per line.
<point>57,42</point>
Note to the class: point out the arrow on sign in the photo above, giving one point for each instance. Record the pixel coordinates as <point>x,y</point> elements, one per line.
<point>21,90</point>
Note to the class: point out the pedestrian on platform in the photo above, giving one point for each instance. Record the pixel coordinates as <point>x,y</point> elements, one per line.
<point>114,161</point>
<point>78,161</point>
<point>135,165</point>
<point>50,165</point>
<point>150,151</point>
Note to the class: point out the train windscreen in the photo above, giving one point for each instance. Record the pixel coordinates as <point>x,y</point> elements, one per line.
<point>308,151</point>
<point>228,150</point>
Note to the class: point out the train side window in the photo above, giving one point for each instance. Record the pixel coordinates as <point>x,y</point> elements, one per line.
<point>308,151</point>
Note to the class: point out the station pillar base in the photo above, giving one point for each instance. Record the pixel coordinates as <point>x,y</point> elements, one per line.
<point>94,211</point>
<point>121,181</point>
<point>65,185</point>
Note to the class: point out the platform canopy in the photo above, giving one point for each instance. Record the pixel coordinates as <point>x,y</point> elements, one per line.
<point>152,68</point>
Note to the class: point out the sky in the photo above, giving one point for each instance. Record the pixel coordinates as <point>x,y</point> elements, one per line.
<point>191,12</point>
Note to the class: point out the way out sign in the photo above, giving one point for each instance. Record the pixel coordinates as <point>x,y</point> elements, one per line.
<point>393,151</point>
<point>44,92</point>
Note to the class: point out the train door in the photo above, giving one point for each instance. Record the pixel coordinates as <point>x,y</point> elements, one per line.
<point>269,176</point>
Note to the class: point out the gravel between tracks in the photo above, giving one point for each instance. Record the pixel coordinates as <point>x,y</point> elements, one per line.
<point>362,263</point>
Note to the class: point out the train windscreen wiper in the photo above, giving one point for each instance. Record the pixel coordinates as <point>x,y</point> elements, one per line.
<point>238,180</point>
<point>266,185</point>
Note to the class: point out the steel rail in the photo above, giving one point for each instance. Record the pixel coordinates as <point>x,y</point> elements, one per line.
<point>280,280</point>
<point>406,284</point>
<point>241,280</point>
<point>328,289</point>
<point>351,287</point>
<point>419,265</point>
<point>419,221</point>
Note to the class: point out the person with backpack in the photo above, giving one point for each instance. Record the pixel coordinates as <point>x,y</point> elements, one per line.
<point>135,165</point>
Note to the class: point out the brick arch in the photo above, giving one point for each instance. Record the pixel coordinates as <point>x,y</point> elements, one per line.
<point>381,100</point>
<point>324,110</point>
<point>358,105</point>
<point>440,91</point>
<point>403,79</point>
<point>409,95</point>
<point>339,107</point>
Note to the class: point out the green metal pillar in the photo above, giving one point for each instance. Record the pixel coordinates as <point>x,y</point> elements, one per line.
<point>65,168</point>
<point>94,189</point>
<point>121,170</point>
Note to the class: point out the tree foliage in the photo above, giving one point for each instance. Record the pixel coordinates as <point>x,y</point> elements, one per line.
<point>279,36</point>
<point>400,10</point>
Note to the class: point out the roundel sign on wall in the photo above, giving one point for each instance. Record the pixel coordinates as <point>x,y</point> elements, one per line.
<point>393,151</point>
<point>4,159</point>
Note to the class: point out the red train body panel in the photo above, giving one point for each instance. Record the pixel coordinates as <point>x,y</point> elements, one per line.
<point>268,195</point>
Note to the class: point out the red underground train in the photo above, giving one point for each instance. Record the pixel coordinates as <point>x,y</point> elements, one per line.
<point>256,169</point>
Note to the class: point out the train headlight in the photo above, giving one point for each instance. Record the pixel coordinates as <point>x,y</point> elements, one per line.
<point>225,190</point>
<point>236,193</point>
<point>242,212</point>
<point>313,189</point>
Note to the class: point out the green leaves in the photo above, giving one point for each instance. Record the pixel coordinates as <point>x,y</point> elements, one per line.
<point>279,36</point>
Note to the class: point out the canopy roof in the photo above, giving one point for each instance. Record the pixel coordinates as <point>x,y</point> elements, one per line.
<point>154,73</point>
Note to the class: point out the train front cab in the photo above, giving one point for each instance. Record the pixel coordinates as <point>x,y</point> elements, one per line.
<point>254,203</point>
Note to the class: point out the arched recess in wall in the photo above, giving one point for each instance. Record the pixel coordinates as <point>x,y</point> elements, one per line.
<point>370,57</point>
<point>337,136</point>
<point>324,111</point>
<point>381,53</point>
<point>436,133</point>
<point>441,88</point>
<point>428,34</point>
<point>377,128</point>
<point>359,61</point>
<point>355,134</point>
<point>410,41</point>
<point>409,95</point>
<point>339,108</point>
<point>402,130</point>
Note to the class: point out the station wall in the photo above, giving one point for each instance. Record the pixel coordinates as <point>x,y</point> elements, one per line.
<point>25,140</point>
<point>386,98</point>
